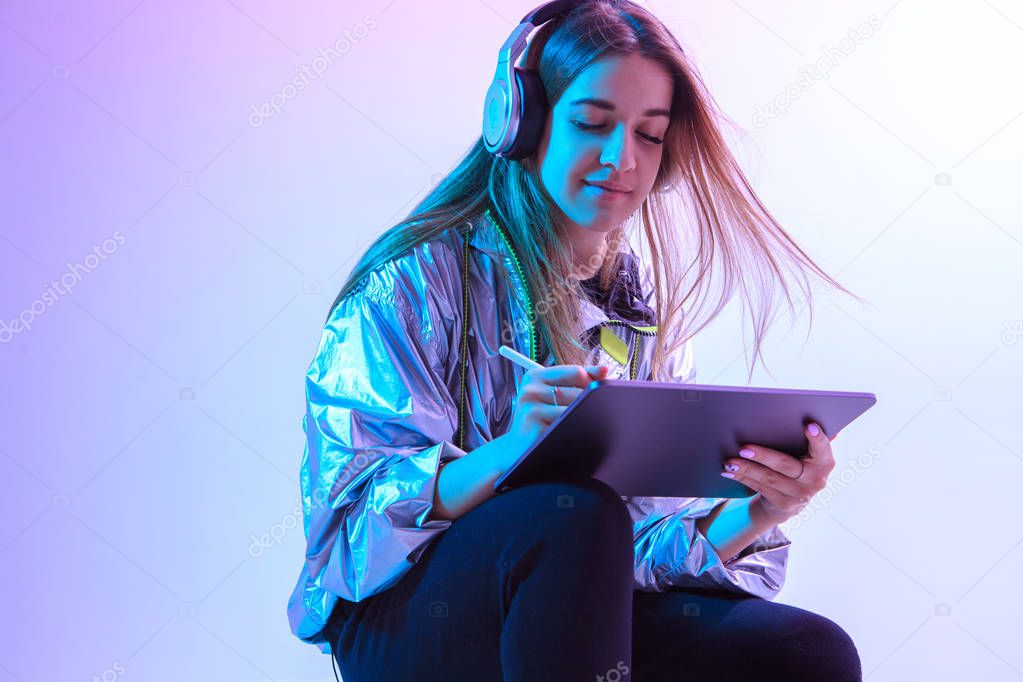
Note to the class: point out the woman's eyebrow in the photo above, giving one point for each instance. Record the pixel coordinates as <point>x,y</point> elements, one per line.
<point>604,104</point>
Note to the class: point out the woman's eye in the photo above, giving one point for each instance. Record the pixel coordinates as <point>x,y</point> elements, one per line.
<point>597,126</point>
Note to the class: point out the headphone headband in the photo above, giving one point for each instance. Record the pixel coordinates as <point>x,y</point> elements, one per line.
<point>548,11</point>
<point>510,125</point>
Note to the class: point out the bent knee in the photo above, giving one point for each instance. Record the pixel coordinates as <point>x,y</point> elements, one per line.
<point>815,647</point>
<point>578,505</point>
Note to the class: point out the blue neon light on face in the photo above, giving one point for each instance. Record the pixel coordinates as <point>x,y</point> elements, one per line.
<point>614,138</point>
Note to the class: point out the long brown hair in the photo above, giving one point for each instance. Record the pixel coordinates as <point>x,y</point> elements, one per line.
<point>700,198</point>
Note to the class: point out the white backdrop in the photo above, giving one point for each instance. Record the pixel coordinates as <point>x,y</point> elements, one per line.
<point>886,136</point>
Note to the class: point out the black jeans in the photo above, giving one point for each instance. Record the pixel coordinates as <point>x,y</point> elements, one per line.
<point>537,584</point>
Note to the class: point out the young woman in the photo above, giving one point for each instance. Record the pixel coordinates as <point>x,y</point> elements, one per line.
<point>415,569</point>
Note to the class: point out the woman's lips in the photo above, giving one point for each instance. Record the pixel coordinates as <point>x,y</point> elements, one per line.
<point>603,195</point>
<point>616,190</point>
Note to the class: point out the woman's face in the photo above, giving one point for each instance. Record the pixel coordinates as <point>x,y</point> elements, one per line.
<point>612,138</point>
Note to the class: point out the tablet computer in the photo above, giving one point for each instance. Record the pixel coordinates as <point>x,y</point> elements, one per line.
<point>661,439</point>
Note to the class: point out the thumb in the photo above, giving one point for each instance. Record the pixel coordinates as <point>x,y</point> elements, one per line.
<point>598,371</point>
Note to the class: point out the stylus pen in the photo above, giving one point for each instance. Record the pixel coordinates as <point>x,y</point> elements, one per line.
<point>518,358</point>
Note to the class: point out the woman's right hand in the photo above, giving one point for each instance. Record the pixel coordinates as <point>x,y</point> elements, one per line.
<point>535,407</point>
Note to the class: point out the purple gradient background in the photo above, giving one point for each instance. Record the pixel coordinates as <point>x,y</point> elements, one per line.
<point>151,420</point>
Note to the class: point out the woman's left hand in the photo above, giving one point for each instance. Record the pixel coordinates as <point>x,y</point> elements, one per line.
<point>784,484</point>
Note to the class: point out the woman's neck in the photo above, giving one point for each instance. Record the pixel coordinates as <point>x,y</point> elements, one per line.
<point>588,250</point>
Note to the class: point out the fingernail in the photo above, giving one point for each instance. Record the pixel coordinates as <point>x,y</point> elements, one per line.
<point>746,452</point>
<point>731,466</point>
<point>727,475</point>
<point>813,430</point>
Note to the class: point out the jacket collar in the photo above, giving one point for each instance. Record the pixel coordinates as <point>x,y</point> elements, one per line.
<point>486,238</point>
<point>624,299</point>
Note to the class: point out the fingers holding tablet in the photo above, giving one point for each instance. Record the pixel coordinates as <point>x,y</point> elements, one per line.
<point>785,483</point>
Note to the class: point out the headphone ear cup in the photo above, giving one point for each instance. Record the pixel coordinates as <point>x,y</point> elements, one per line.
<point>495,118</point>
<point>534,108</point>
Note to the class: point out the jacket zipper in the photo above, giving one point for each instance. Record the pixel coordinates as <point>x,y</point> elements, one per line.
<point>525,286</point>
<point>638,333</point>
<point>620,323</point>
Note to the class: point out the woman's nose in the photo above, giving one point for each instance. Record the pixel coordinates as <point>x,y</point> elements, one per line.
<point>619,151</point>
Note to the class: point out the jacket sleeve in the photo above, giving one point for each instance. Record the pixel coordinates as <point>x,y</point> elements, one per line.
<point>672,552</point>
<point>379,421</point>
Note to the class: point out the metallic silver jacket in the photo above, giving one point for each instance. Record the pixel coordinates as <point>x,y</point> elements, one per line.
<point>382,413</point>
